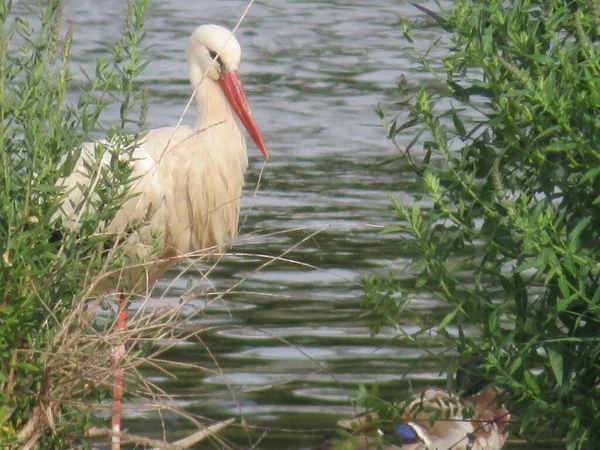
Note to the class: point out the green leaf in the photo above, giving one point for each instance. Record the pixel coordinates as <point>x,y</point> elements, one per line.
<point>592,173</point>
<point>48,188</point>
<point>393,229</point>
<point>560,146</point>
<point>460,128</point>
<point>419,265</point>
<point>543,59</point>
<point>556,362</point>
<point>565,290</point>
<point>526,418</point>
<point>406,125</point>
<point>531,263</point>
<point>488,41</point>
<point>416,214</point>
<point>576,233</point>
<point>531,382</point>
<point>28,367</point>
<point>448,318</point>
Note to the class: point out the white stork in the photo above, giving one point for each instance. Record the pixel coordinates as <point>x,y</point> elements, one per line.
<point>189,179</point>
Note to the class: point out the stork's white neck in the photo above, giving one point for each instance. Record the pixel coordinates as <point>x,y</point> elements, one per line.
<point>214,109</point>
<point>218,120</point>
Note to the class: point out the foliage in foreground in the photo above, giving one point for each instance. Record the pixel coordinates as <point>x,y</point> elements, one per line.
<point>506,228</point>
<point>52,355</point>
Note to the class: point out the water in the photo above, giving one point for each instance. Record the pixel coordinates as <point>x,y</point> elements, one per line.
<point>286,349</point>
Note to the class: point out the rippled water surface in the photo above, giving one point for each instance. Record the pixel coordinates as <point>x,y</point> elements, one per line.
<point>289,343</point>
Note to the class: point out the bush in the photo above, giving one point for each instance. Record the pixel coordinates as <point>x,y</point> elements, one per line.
<point>506,227</point>
<point>50,356</point>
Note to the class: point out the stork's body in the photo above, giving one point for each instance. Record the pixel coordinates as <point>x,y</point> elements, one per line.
<point>188,181</point>
<point>186,191</point>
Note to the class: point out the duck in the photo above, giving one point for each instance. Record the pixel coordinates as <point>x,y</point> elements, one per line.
<point>431,419</point>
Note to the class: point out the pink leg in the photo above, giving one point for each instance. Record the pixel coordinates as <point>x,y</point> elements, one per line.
<point>117,354</point>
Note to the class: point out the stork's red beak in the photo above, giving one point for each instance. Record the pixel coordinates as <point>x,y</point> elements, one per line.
<point>234,91</point>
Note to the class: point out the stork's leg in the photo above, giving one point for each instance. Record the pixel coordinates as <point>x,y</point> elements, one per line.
<point>116,356</point>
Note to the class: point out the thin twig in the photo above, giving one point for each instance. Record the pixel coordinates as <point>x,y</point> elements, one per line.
<point>186,442</point>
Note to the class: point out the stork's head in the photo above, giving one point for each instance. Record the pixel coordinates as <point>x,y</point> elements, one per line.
<point>214,50</point>
<point>215,53</point>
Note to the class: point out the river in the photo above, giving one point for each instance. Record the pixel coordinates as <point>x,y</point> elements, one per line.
<point>285,349</point>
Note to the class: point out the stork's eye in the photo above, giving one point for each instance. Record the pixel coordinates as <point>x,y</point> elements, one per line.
<point>216,57</point>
